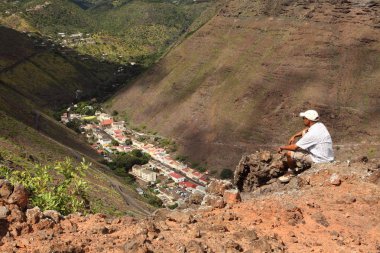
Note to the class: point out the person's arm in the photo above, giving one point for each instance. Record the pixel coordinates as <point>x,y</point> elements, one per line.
<point>291,147</point>
<point>298,134</point>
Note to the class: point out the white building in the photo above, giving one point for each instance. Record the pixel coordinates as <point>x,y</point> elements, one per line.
<point>118,125</point>
<point>144,174</point>
<point>103,116</point>
<point>177,177</point>
<point>104,141</point>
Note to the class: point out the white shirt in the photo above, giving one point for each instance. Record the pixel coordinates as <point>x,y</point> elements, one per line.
<point>317,141</point>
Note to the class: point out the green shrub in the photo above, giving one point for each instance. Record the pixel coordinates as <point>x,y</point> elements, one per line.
<point>226,174</point>
<point>66,192</point>
<point>127,160</point>
<point>174,206</point>
<point>74,125</point>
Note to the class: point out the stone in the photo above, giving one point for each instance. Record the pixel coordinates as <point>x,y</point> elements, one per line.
<point>214,201</point>
<point>196,247</point>
<point>53,215</point>
<point>217,187</point>
<point>265,156</point>
<point>20,197</point>
<point>258,169</point>
<point>136,245</point>
<point>335,180</point>
<point>347,199</point>
<point>232,196</point>
<point>6,188</point>
<point>320,218</point>
<point>100,230</point>
<point>294,215</point>
<point>16,215</point>
<point>196,198</point>
<point>232,247</point>
<point>229,216</point>
<point>180,217</point>
<point>33,215</point>
<point>4,211</point>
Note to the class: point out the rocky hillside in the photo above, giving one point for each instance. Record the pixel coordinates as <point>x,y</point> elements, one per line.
<point>328,208</point>
<point>239,82</point>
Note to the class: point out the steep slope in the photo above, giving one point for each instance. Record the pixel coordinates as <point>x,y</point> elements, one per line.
<point>35,80</point>
<point>310,214</point>
<point>239,82</point>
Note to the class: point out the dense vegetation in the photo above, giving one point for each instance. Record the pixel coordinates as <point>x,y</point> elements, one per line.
<point>127,160</point>
<point>53,187</point>
<point>123,30</point>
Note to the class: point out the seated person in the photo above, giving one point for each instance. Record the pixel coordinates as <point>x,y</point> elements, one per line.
<point>315,145</point>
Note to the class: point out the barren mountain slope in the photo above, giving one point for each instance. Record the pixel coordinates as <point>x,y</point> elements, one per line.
<point>313,213</point>
<point>240,81</point>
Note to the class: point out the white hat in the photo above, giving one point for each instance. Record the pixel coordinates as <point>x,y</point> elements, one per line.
<point>310,115</point>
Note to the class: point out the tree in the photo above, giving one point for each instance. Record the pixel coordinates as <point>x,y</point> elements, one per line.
<point>114,143</point>
<point>128,160</point>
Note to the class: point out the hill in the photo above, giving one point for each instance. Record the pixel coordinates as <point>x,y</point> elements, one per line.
<point>238,83</point>
<point>120,31</point>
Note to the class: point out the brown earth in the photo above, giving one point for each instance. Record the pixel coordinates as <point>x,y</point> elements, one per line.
<point>239,82</point>
<point>328,208</point>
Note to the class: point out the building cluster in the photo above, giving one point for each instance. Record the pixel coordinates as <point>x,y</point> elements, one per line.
<point>38,7</point>
<point>173,181</point>
<point>75,39</point>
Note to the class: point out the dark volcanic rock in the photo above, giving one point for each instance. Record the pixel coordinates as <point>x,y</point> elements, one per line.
<point>257,169</point>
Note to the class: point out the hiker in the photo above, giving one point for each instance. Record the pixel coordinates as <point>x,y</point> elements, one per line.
<point>314,146</point>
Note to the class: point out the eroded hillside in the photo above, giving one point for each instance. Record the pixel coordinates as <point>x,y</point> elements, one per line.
<point>329,208</point>
<point>239,82</point>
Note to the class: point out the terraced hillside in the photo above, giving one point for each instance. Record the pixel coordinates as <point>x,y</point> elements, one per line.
<point>238,83</point>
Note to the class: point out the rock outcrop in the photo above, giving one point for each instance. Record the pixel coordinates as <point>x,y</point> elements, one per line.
<point>259,169</point>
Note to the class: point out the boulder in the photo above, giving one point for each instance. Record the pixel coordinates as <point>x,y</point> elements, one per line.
<point>214,201</point>
<point>232,196</point>
<point>257,169</point>
<point>136,245</point>
<point>180,217</point>
<point>19,196</point>
<point>34,215</point>
<point>335,179</point>
<point>53,215</point>
<point>217,187</point>
<point>196,198</point>
<point>6,188</point>
<point>4,211</point>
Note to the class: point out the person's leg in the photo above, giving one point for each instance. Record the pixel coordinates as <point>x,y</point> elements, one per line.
<point>291,162</point>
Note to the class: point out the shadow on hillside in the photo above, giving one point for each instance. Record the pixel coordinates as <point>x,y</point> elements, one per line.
<point>45,61</point>
<point>38,76</point>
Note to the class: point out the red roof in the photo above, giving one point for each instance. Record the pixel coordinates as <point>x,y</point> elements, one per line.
<point>117,131</point>
<point>175,175</point>
<point>106,122</point>
<point>188,184</point>
<point>204,178</point>
<point>197,174</point>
